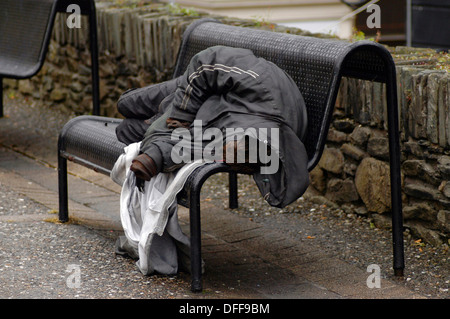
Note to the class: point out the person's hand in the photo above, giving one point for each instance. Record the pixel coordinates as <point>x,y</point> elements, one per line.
<point>143,167</point>
<point>174,123</point>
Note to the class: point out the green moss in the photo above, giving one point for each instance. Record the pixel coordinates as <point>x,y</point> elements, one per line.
<point>174,8</point>
<point>422,57</point>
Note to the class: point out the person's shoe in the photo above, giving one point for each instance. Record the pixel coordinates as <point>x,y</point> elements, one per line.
<point>143,167</point>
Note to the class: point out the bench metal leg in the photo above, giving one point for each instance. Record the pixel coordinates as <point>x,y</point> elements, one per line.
<point>233,189</point>
<point>196,255</point>
<point>195,185</point>
<point>195,226</point>
<point>62,190</point>
<point>396,195</point>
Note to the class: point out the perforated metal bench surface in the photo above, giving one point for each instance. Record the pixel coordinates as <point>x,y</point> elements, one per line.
<point>316,65</point>
<point>25,32</point>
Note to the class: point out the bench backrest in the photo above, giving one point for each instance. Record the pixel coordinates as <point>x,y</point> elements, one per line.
<point>315,64</point>
<point>25,29</point>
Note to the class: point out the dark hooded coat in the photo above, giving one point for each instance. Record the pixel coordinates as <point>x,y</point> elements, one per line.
<point>225,87</point>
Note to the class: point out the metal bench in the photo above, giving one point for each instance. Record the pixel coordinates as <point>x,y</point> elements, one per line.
<point>25,31</point>
<point>316,65</point>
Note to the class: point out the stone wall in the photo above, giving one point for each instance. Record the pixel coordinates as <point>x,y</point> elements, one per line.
<point>354,168</point>
<point>139,44</point>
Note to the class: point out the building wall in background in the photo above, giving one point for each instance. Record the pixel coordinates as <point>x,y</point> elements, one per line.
<point>312,15</point>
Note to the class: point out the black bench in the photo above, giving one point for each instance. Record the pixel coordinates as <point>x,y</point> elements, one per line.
<point>25,31</point>
<point>316,65</point>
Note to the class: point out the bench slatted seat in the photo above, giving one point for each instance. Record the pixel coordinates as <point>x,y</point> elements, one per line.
<point>25,32</point>
<point>316,65</point>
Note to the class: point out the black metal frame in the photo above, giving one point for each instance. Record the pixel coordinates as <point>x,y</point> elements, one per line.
<point>87,8</point>
<point>354,60</point>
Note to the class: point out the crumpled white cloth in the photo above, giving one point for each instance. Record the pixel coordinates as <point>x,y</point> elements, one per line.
<point>149,219</point>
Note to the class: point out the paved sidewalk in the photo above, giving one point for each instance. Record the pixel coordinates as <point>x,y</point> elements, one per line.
<point>244,258</point>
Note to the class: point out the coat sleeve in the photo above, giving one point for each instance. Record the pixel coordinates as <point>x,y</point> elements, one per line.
<point>143,103</point>
<point>214,71</point>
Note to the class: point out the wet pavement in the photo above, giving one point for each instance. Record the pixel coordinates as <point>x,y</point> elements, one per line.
<point>245,257</point>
